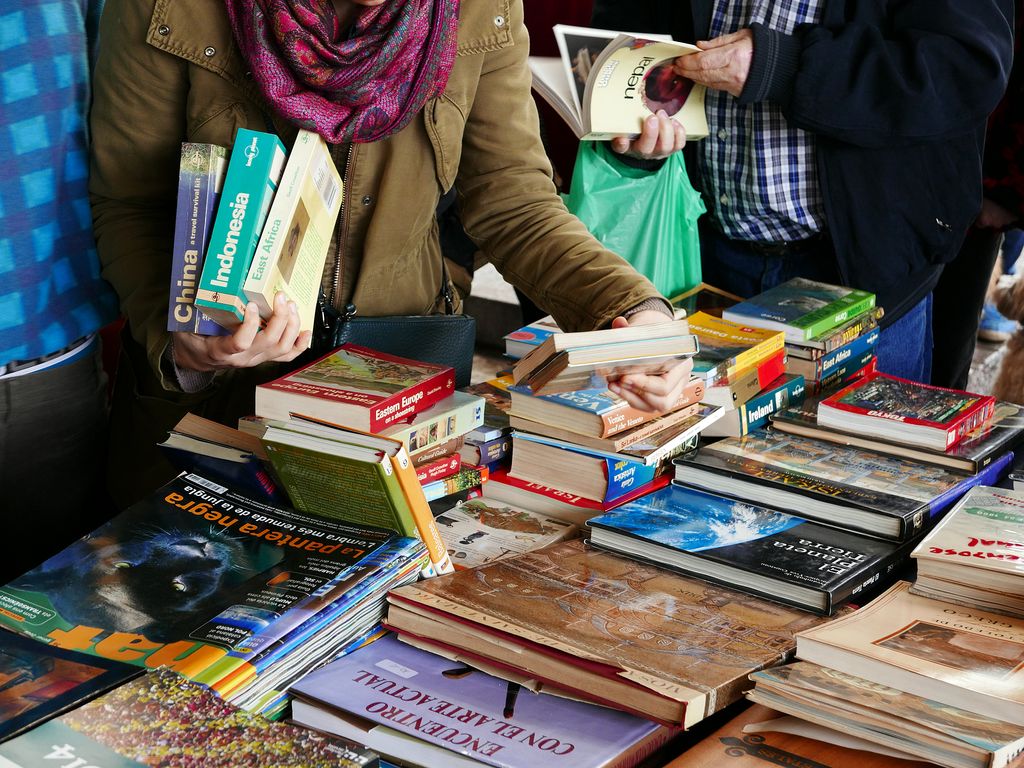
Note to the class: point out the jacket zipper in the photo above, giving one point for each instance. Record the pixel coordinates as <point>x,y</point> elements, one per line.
<point>342,229</point>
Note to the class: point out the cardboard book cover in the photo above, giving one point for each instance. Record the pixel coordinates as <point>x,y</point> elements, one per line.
<point>292,249</point>
<point>746,546</point>
<point>802,308</point>
<point>254,169</point>
<point>727,347</point>
<point>357,387</point>
<point>685,640</point>
<point>182,577</point>
<point>503,724</point>
<point>200,178</point>
<point>162,720</point>
<point>954,654</point>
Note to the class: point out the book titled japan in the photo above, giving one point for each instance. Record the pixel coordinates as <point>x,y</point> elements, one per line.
<point>200,176</point>
<point>801,308</point>
<point>906,411</point>
<point>254,170</point>
<point>359,388</point>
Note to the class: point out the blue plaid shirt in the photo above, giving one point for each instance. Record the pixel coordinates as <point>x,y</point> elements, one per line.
<point>51,293</point>
<point>758,172</point>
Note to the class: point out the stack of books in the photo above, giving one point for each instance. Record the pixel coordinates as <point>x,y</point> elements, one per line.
<point>240,595</point>
<point>830,331</point>
<point>490,444</point>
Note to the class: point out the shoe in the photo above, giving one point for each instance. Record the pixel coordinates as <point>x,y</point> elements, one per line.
<point>993,326</point>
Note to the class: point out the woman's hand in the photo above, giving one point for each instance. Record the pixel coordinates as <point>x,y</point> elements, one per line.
<point>248,346</point>
<point>660,137</point>
<point>646,392</point>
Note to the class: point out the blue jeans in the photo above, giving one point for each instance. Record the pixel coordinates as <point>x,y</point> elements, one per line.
<point>904,347</point>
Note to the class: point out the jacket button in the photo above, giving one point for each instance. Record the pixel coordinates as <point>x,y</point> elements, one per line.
<point>367,200</point>
<point>499,21</point>
<point>210,51</point>
<point>164,30</point>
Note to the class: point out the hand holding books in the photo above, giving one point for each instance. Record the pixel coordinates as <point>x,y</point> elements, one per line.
<point>660,137</point>
<point>651,392</point>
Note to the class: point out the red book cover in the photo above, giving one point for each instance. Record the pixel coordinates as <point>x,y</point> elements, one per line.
<point>769,369</point>
<point>502,476</point>
<point>446,466</point>
<point>357,387</point>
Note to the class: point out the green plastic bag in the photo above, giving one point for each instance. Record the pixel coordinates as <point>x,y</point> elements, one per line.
<point>648,218</point>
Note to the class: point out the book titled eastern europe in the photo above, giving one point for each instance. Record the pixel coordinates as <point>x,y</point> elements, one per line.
<point>200,177</point>
<point>422,708</point>
<point>254,170</point>
<point>748,547</point>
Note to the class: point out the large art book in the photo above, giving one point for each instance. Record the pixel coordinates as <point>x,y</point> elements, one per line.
<point>801,308</point>
<point>39,681</point>
<point>923,728</point>
<point>748,547</point>
<point>863,491</point>
<point>162,720</point>
<point>503,724</point>
<point>200,176</point>
<point>604,84</point>
<point>953,654</point>
<point>183,576</point>
<point>906,411</point>
<point>257,161</point>
<point>357,387</point>
<point>604,628</point>
<point>292,249</point>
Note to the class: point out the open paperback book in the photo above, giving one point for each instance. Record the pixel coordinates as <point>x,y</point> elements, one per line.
<point>605,84</point>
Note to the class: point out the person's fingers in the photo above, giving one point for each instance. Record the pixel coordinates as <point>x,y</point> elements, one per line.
<point>635,400</point>
<point>620,144</point>
<point>241,340</point>
<point>718,42</point>
<point>620,322</point>
<point>680,135</point>
<point>666,134</point>
<point>648,138</point>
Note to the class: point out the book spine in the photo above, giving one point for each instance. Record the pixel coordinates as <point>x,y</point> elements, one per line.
<point>620,419</point>
<point>422,517</point>
<point>404,405</point>
<point>457,421</point>
<point>755,354</point>
<point>644,431</point>
<point>970,422</point>
<point>249,185</point>
<point>844,335</point>
<point>434,452</point>
<point>846,372</point>
<point>769,369</point>
<point>625,476</point>
<point>827,318</point>
<point>490,451</point>
<point>438,469</point>
<point>466,478</point>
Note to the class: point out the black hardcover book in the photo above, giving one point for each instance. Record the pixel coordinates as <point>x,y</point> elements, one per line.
<point>758,550</point>
<point>39,681</point>
<point>857,490</point>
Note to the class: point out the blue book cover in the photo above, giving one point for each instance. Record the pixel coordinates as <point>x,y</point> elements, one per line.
<point>763,551</point>
<point>837,359</point>
<point>415,700</point>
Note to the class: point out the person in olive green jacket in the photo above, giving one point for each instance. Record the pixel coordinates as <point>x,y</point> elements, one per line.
<point>414,96</point>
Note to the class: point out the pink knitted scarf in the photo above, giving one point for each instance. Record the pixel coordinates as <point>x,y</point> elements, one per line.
<point>359,85</point>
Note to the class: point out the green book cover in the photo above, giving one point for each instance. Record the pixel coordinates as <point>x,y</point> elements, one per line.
<point>255,167</point>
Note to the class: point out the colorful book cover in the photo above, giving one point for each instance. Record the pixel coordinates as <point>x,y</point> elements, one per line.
<point>257,161</point>
<point>446,466</point>
<point>839,336</point>
<point>450,417</point>
<point>292,248</point>
<point>39,681</point>
<point>200,176</point>
<point>505,725</point>
<point>464,479</point>
<point>182,577</point>
<point>746,546</point>
<point>727,347</point>
<point>830,361</point>
<point>850,370</point>
<point>162,720</point>
<point>357,387</point>
<point>802,308</point>
<point>758,410</point>
<point>522,340</point>
<point>487,452</point>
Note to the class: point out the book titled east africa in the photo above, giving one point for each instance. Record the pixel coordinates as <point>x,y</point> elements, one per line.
<point>748,547</point>
<point>603,628</point>
<point>862,491</point>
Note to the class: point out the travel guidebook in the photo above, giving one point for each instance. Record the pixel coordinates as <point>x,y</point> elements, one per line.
<point>801,308</point>
<point>602,628</point>
<point>368,697</point>
<point>747,547</point>
<point>758,410</point>
<point>905,411</point>
<point>183,576</point>
<point>161,720</point>
<point>863,491</point>
<point>726,348</point>
<point>604,83</point>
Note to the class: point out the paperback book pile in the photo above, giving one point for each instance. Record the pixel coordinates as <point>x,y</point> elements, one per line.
<point>243,596</point>
<point>491,443</point>
<point>975,556</point>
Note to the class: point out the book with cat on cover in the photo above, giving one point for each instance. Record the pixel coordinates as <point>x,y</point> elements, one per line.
<point>747,547</point>
<point>603,628</point>
<point>162,720</point>
<point>953,654</point>
<point>183,576</point>
<point>503,724</point>
<point>727,347</point>
<point>292,249</point>
<point>975,555</point>
<point>801,308</point>
<point>858,490</point>
<point>906,411</point>
<point>257,160</point>
<point>200,176</point>
<point>605,84</point>
<point>834,703</point>
<point>39,681</point>
<point>357,387</point>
